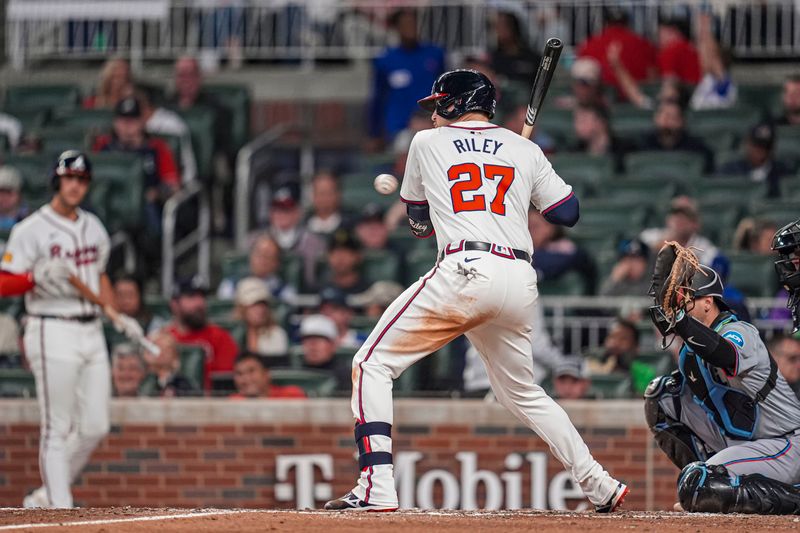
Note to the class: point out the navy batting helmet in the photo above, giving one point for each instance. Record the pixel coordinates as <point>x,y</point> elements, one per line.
<point>465,90</point>
<point>706,282</point>
<point>71,163</point>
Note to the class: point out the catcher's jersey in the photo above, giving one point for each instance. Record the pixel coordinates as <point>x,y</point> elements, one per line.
<point>478,180</point>
<point>46,234</point>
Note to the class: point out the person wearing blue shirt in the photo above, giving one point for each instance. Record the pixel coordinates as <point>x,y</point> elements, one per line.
<point>400,75</point>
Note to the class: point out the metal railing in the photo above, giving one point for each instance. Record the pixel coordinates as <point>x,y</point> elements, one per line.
<point>172,251</point>
<point>302,31</point>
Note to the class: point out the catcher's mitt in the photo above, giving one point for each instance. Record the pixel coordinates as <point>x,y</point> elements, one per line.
<point>672,279</point>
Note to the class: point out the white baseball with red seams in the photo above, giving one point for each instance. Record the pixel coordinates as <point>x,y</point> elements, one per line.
<point>385,183</point>
<point>68,358</point>
<point>478,181</point>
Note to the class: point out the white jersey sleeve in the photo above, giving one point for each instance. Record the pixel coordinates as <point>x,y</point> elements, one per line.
<point>21,250</point>
<point>548,187</point>
<point>412,190</point>
<point>103,245</point>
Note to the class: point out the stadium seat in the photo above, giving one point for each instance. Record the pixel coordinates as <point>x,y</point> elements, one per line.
<point>779,211</point>
<point>233,326</point>
<point>157,305</point>
<point>557,123</point>
<point>643,191</point>
<point>380,265</point>
<point>418,263</point>
<point>120,177</point>
<point>753,274</point>
<point>56,139</point>
<point>193,361</point>
<point>292,270</point>
<point>583,168</point>
<point>630,123</point>
<point>761,97</point>
<point>612,217</point>
<point>373,164</point>
<point>363,323</point>
<point>201,123</point>
<point>17,383</point>
<point>45,97</point>
<point>732,190</point>
<point>569,284</point>
<point>737,120</point>
<point>235,265</point>
<point>665,164</point>
<point>610,386</point>
<point>236,100</point>
<point>35,170</point>
<point>358,190</point>
<point>95,121</point>
<point>660,361</point>
<point>219,309</point>
<point>30,118</point>
<point>315,383</point>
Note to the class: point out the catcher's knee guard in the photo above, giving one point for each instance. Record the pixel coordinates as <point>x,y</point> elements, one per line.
<point>706,488</point>
<point>675,439</point>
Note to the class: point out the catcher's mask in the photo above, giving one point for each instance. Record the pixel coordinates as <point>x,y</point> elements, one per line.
<point>706,282</point>
<point>787,243</point>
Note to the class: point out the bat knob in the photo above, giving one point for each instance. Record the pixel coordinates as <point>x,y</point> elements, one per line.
<point>554,42</point>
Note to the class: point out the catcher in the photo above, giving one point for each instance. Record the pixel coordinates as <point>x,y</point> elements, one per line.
<point>726,417</point>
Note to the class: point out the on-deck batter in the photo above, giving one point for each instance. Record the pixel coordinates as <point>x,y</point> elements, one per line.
<point>472,181</point>
<point>64,341</point>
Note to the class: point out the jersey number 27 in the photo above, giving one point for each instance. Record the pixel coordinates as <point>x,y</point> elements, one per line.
<point>478,201</point>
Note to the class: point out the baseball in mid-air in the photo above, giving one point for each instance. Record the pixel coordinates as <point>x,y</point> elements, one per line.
<point>386,183</point>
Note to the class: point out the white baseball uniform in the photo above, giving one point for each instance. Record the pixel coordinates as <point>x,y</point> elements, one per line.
<point>478,180</point>
<point>64,344</point>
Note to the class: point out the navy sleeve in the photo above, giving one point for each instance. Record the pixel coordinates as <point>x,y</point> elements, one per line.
<point>563,213</point>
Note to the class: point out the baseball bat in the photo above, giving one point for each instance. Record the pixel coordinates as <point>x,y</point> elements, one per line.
<point>113,314</point>
<point>544,75</point>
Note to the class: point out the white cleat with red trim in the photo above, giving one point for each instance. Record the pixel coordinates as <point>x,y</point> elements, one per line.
<point>375,492</point>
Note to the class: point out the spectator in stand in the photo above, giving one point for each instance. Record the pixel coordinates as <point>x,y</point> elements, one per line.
<point>318,336</point>
<point>114,85</point>
<point>677,56</point>
<point>127,370</point>
<point>190,326</point>
<point>790,98</point>
<point>594,137</point>
<point>670,133</point>
<point>716,89</point>
<point>620,350</point>
<point>555,254</point>
<point>160,121</point>
<point>344,264</point>
<point>252,379</point>
<point>263,335</point>
<point>400,75</point>
<point>11,129</point>
<point>334,305</point>
<point>571,380</point>
<point>288,231</point>
<point>326,199</point>
<point>162,178</point>
<point>758,162</point>
<point>671,90</point>
<point>754,235</point>
<point>511,58</point>
<point>264,264</point>
<point>188,82</point>
<point>164,369</point>
<point>128,300</point>
<point>786,351</point>
<point>637,54</point>
<point>371,231</point>
<point>12,208</point>
<point>631,275</point>
<point>378,297</point>
<point>682,224</point>
<point>587,88</point>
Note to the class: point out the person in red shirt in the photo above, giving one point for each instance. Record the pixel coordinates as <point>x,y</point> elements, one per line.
<point>253,380</point>
<point>190,326</point>
<point>637,54</point>
<point>677,56</point>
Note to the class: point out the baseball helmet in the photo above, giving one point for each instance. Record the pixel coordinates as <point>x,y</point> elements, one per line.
<point>706,282</point>
<point>71,163</point>
<point>466,90</point>
<point>787,242</point>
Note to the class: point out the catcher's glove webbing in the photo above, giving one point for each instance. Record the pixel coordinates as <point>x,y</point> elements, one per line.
<point>671,287</point>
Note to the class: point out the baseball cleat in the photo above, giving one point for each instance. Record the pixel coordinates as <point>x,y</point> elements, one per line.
<point>616,500</point>
<point>351,502</point>
<point>36,499</point>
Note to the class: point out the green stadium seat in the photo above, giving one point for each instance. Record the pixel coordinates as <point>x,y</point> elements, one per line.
<point>56,139</point>
<point>761,97</point>
<point>718,141</point>
<point>35,170</point>
<point>235,265</point>
<point>219,309</point>
<point>380,265</point>
<point>370,164</point>
<point>612,217</point>
<point>201,123</point>
<point>95,121</point>
<point>292,270</point>
<point>556,123</point>
<point>315,383</point>
<point>120,177</point>
<point>31,119</point>
<point>779,211</point>
<point>737,120</point>
<point>610,386</point>
<point>569,284</point>
<point>666,164</point>
<point>407,384</point>
<point>418,263</point>
<point>17,383</point>
<point>193,364</point>
<point>661,361</point>
<point>630,123</point>
<point>358,190</point>
<point>753,274</point>
<point>235,327</point>
<point>733,190</point>
<point>583,168</point>
<point>644,191</point>
<point>363,323</point>
<point>26,97</point>
<point>236,100</point>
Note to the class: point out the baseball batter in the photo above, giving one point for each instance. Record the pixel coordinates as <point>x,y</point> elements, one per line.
<point>64,341</point>
<point>726,417</point>
<point>472,182</point>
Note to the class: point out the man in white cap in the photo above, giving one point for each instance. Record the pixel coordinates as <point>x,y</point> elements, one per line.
<point>12,209</point>
<point>587,88</point>
<point>318,335</point>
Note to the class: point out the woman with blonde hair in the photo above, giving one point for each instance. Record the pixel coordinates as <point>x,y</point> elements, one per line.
<point>114,85</point>
<point>262,335</point>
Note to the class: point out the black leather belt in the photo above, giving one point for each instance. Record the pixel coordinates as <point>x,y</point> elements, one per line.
<point>77,318</point>
<point>478,246</point>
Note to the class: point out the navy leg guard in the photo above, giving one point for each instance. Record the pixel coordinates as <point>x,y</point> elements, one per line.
<point>706,488</point>
<point>366,457</point>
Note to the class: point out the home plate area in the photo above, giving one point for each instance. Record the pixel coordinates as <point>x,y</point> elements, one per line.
<point>128,519</point>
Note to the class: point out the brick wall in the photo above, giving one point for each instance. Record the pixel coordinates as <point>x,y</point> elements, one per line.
<point>228,456</point>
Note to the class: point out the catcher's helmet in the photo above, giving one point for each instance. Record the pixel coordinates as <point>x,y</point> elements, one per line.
<point>787,242</point>
<point>466,90</point>
<point>706,282</point>
<point>71,163</point>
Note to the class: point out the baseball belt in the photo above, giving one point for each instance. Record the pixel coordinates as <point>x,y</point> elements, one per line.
<point>478,246</point>
<point>77,318</point>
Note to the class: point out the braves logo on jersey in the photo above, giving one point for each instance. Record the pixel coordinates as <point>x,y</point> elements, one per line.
<point>82,256</point>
